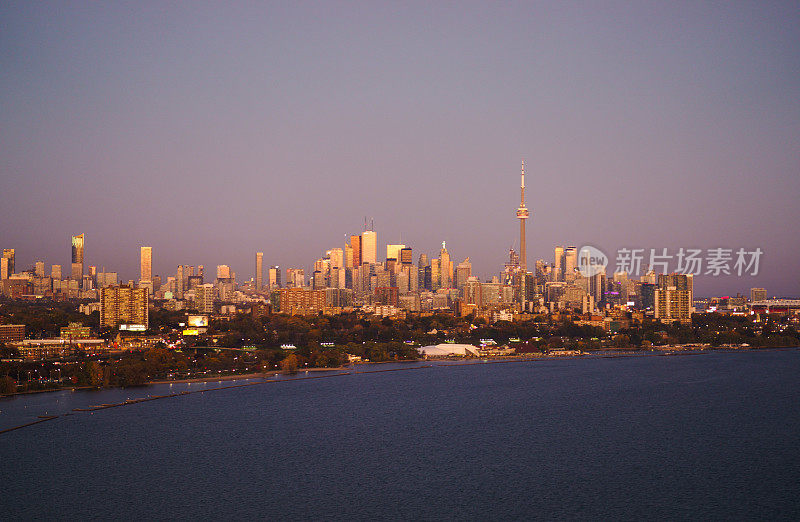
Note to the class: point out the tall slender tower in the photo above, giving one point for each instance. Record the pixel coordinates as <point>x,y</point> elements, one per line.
<point>522,215</point>
<point>146,262</point>
<point>77,258</point>
<point>259,271</point>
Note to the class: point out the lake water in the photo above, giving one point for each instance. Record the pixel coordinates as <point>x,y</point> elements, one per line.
<point>712,436</point>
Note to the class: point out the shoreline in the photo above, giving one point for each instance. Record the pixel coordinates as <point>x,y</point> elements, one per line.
<point>237,376</point>
<point>660,351</point>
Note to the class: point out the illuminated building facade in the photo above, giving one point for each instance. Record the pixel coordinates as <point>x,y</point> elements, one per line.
<point>77,257</point>
<point>259,279</point>
<point>124,305</point>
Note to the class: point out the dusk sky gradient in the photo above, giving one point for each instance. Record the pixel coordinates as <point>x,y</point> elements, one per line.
<point>211,131</point>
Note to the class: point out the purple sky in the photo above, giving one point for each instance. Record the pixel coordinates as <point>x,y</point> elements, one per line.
<point>212,131</point>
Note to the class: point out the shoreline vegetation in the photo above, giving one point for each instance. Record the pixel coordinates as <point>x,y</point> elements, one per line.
<point>451,360</point>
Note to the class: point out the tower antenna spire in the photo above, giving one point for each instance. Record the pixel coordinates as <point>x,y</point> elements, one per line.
<point>522,215</point>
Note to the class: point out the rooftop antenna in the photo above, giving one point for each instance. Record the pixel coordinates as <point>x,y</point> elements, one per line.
<point>372,224</point>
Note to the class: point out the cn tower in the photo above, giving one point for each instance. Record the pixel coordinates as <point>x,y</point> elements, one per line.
<point>522,215</point>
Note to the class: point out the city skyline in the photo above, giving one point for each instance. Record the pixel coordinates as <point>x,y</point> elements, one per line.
<point>564,260</point>
<point>212,149</point>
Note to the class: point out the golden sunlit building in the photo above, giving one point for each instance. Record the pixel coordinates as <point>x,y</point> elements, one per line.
<point>124,305</point>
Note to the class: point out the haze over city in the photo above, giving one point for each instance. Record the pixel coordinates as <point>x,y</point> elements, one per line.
<point>212,132</point>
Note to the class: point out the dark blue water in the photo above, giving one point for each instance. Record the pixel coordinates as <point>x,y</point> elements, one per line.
<point>710,436</point>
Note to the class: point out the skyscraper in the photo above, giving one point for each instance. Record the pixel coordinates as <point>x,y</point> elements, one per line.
<point>259,271</point>
<point>274,277</point>
<point>146,263</point>
<point>393,251</point>
<point>463,273</point>
<point>204,298</point>
<point>295,278</point>
<point>336,256</point>
<point>77,257</point>
<point>355,244</point>
<point>570,260</point>
<point>369,247</point>
<point>558,265</point>
<point>8,253</point>
<point>436,274</point>
<point>180,282</point>
<point>445,268</point>
<point>522,215</point>
<point>348,256</point>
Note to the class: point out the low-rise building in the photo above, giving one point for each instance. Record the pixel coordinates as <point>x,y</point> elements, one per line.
<point>12,332</point>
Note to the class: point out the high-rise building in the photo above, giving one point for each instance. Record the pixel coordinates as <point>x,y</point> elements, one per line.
<point>106,279</point>
<point>55,272</point>
<point>77,257</point>
<point>445,268</point>
<point>472,292</point>
<point>522,215</point>
<point>193,281</point>
<point>758,294</point>
<point>355,245</point>
<point>348,256</point>
<point>300,300</point>
<point>259,271</point>
<point>436,274</point>
<point>425,275</point>
<point>648,296</point>
<point>393,251</point>
<point>406,256</point>
<point>274,277</point>
<point>11,263</point>
<point>369,247</point>
<point>558,264</point>
<point>146,262</point>
<point>295,278</point>
<point>570,260</point>
<point>180,282</point>
<point>223,272</point>
<point>424,272</point>
<point>597,284</point>
<point>204,298</point>
<point>5,273</point>
<point>123,305</point>
<point>336,256</point>
<point>38,269</point>
<point>673,298</point>
<point>463,273</point>
<point>649,277</point>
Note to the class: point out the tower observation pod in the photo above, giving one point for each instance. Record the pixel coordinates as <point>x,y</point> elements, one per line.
<point>522,215</point>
